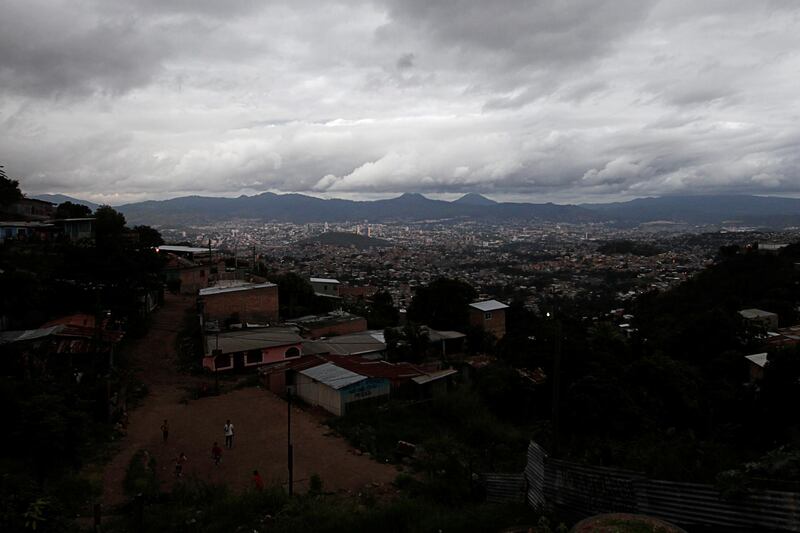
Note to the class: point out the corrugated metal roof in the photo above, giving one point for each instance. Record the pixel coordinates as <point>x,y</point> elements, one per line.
<point>325,280</point>
<point>759,359</point>
<point>252,339</point>
<point>433,376</point>
<point>489,305</point>
<point>29,334</point>
<point>333,376</point>
<point>246,287</point>
<point>756,313</point>
<point>184,249</point>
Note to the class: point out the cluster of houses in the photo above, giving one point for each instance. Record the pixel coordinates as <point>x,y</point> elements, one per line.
<point>773,336</point>
<point>29,219</point>
<point>332,360</point>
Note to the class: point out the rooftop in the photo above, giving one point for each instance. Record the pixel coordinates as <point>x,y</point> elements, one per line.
<point>333,376</point>
<point>240,286</point>
<point>488,305</point>
<point>325,280</point>
<point>184,249</point>
<point>756,313</point>
<point>251,339</point>
<point>759,359</point>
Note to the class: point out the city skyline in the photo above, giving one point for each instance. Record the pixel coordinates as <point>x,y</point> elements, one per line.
<point>530,101</point>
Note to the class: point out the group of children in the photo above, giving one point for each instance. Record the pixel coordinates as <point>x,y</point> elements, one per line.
<point>216,452</point>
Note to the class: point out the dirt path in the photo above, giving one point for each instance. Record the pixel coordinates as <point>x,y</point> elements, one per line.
<point>259,418</point>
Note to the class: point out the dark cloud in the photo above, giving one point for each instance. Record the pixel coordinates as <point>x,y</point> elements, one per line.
<point>150,98</point>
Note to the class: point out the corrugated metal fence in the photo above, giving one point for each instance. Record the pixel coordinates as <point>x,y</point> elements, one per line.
<point>578,491</point>
<point>502,488</point>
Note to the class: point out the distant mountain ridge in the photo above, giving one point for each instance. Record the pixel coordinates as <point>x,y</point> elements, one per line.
<point>760,211</point>
<point>61,198</point>
<point>299,208</point>
<point>771,211</point>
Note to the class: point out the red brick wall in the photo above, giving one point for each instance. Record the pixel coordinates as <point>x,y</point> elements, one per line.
<point>192,280</point>
<point>254,305</point>
<point>344,328</point>
<point>495,325</point>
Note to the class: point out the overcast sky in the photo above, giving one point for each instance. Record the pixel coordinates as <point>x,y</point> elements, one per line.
<point>571,100</point>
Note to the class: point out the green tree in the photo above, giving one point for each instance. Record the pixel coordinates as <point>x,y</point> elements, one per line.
<point>9,189</point>
<point>148,237</point>
<point>72,210</point>
<point>109,226</point>
<point>382,312</point>
<point>443,304</point>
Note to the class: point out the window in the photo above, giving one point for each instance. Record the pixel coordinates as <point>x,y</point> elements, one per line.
<point>253,358</point>
<point>291,352</point>
<point>487,316</point>
<point>223,361</point>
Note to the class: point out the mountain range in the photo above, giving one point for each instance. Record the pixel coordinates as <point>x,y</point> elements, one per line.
<point>707,209</point>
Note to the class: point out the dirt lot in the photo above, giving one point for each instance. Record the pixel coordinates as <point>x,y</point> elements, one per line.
<point>259,418</point>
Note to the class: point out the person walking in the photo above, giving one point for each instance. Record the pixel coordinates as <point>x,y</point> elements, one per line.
<point>258,482</point>
<point>165,431</point>
<point>228,430</point>
<point>216,453</point>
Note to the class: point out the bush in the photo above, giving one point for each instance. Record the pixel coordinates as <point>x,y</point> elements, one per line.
<point>140,478</point>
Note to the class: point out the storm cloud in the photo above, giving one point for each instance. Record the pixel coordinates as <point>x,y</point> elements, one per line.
<point>575,99</point>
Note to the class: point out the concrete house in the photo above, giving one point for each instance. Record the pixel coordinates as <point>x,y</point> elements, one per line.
<point>760,317</point>
<point>490,315</point>
<point>325,287</point>
<point>251,348</point>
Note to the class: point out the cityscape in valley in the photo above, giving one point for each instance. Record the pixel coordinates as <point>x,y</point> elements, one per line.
<point>402,266</point>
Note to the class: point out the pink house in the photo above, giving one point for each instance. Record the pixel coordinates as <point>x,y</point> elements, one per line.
<point>251,348</point>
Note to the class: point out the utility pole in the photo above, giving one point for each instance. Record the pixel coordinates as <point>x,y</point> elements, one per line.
<point>556,387</point>
<point>289,438</point>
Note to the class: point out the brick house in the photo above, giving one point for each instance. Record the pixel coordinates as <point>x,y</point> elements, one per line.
<point>490,315</point>
<point>251,302</point>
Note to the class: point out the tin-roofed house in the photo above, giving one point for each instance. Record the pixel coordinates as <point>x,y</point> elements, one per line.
<point>338,390</point>
<point>251,348</point>
<point>325,287</point>
<point>489,315</point>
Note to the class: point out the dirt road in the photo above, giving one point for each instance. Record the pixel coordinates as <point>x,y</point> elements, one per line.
<point>258,416</point>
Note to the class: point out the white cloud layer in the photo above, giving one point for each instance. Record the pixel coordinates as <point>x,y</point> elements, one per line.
<point>127,100</point>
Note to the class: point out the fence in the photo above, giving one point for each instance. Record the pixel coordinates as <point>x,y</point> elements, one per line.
<point>577,491</point>
<point>502,488</point>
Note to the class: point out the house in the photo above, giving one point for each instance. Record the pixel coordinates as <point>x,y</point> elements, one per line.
<point>189,276</point>
<point>405,379</point>
<point>325,287</point>
<point>760,317</point>
<point>338,390</point>
<point>435,383</point>
<point>490,315</point>
<point>26,231</point>
<point>251,302</point>
<point>784,337</point>
<point>251,348</point>
<point>333,323</point>
<point>70,345</point>
<point>75,229</point>
<point>366,344</point>
<point>29,209</point>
